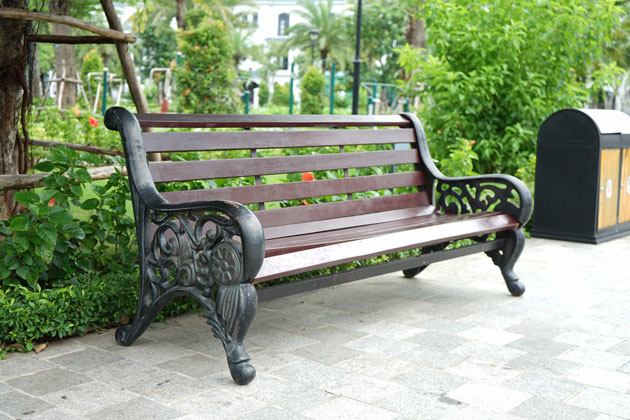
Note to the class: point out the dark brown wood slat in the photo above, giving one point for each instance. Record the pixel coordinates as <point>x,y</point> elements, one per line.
<point>315,212</point>
<point>231,140</point>
<point>246,121</point>
<point>338,223</point>
<point>296,190</point>
<point>227,168</point>
<point>328,237</point>
<point>327,256</point>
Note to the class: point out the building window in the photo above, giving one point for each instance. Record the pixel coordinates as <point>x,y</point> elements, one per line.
<point>255,17</point>
<point>284,63</point>
<point>283,23</point>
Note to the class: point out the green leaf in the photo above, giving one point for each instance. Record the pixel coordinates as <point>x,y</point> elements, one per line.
<point>21,243</point>
<point>73,230</point>
<point>26,197</point>
<point>90,204</point>
<point>83,175</point>
<point>76,189</point>
<point>20,223</point>
<point>45,166</point>
<point>59,216</point>
<point>22,271</point>
<point>48,232</point>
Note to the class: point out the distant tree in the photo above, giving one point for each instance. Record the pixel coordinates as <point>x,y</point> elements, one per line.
<point>332,41</point>
<point>157,46</point>
<point>312,92</point>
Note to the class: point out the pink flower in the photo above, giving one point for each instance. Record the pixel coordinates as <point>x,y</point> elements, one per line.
<point>93,122</point>
<point>308,176</point>
<point>51,202</point>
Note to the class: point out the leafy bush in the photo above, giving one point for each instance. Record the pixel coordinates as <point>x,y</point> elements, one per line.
<point>495,70</point>
<point>312,91</point>
<point>281,94</point>
<point>263,93</point>
<point>460,159</point>
<point>205,80</point>
<point>92,62</point>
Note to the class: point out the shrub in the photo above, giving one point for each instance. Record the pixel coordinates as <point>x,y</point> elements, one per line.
<point>494,70</point>
<point>92,62</point>
<point>205,80</point>
<point>263,93</point>
<point>281,94</point>
<point>312,91</point>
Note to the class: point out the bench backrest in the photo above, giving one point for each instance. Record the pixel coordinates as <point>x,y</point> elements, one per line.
<point>270,147</point>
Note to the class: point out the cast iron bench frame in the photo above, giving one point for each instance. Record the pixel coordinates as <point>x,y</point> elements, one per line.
<point>217,265</point>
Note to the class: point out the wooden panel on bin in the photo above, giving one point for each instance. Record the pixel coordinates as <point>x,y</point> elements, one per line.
<point>608,188</point>
<point>624,194</point>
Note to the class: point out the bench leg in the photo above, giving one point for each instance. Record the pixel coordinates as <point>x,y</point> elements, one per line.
<point>236,307</point>
<point>506,258</point>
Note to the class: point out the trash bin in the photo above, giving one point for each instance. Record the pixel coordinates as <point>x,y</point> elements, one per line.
<point>583,176</point>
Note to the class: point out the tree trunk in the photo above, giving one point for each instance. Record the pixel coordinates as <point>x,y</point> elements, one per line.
<point>180,12</point>
<point>64,55</point>
<point>12,62</point>
<point>37,90</point>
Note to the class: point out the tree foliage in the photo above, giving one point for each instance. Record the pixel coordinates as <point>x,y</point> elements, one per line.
<point>494,70</point>
<point>205,81</point>
<point>312,92</point>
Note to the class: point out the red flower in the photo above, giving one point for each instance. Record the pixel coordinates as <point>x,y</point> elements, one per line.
<point>308,176</point>
<point>93,122</point>
<point>51,202</point>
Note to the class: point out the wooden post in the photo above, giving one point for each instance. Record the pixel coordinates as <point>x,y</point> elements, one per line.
<point>127,65</point>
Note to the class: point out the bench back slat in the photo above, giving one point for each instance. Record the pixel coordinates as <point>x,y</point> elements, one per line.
<point>228,168</point>
<point>251,121</point>
<point>298,190</point>
<point>325,211</point>
<point>231,140</point>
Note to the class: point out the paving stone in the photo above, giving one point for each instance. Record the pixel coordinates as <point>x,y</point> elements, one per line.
<point>604,401</point>
<point>493,397</point>
<point>165,387</point>
<point>430,357</point>
<point>540,345</point>
<point>86,359</point>
<point>545,386</point>
<point>595,341</point>
<point>476,413</point>
<point>4,388</point>
<point>480,370</point>
<point>543,364</point>
<point>597,358</point>
<point>309,372</point>
<point>363,388</point>
<point>217,404</point>
<point>195,366</point>
<point>123,373</point>
<point>490,319</point>
<point>437,341</point>
<point>489,335</point>
<point>55,414</point>
<point>391,330</point>
<point>273,413</point>
<point>375,366</point>
<point>343,408</point>
<point>5,417</point>
<point>443,325</point>
<point>430,381</point>
<point>18,404</point>
<point>152,352</point>
<point>489,352</point>
<point>419,405</point>
<point>265,360</point>
<point>625,368</point>
<point>590,375</point>
<point>538,408</point>
<point>622,348</point>
<point>87,397</point>
<point>378,345</point>
<point>136,409</point>
<point>542,327</point>
<point>279,340</point>
<point>59,347</point>
<point>21,364</point>
<point>47,381</point>
<point>326,353</point>
<point>333,334</point>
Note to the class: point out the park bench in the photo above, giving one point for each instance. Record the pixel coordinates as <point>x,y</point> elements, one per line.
<point>376,191</point>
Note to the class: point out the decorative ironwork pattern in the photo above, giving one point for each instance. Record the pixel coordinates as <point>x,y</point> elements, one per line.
<point>478,195</point>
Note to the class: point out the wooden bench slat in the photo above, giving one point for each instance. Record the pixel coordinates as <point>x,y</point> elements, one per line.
<point>326,211</point>
<point>227,168</point>
<point>250,121</point>
<point>233,140</point>
<point>284,231</point>
<point>297,190</point>
<point>327,256</point>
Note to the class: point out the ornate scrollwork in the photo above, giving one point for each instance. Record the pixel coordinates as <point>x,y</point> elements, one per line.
<point>477,195</point>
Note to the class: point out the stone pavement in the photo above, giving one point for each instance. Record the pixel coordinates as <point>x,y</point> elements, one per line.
<point>451,344</point>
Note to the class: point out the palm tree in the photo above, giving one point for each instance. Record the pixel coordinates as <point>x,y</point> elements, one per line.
<point>332,41</point>
<point>242,46</point>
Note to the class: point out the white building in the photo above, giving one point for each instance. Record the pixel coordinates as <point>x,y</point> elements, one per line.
<point>272,19</point>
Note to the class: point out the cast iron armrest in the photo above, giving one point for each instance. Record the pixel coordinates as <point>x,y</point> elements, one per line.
<point>472,194</point>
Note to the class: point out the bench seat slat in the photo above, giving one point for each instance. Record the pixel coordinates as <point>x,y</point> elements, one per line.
<point>330,255</point>
<point>250,121</point>
<point>316,212</point>
<point>227,168</point>
<point>233,140</point>
<point>297,190</point>
<point>284,231</point>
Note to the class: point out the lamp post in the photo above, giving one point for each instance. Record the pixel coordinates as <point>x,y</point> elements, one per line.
<point>357,65</point>
<point>313,34</point>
